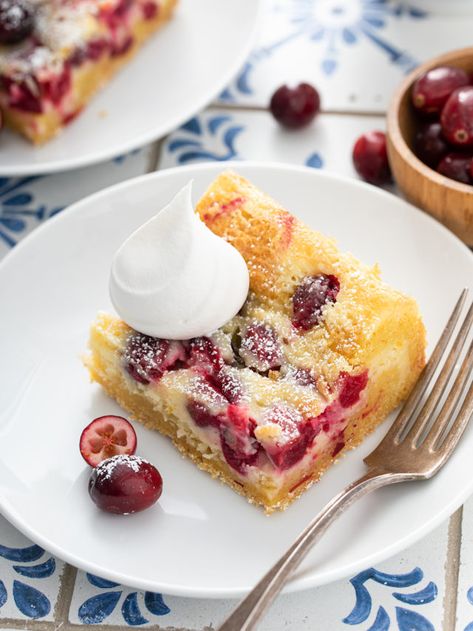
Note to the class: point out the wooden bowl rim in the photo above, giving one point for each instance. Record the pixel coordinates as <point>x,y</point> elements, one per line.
<point>394,131</point>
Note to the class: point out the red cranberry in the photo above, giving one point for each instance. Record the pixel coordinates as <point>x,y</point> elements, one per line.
<point>370,158</point>
<point>105,437</point>
<point>227,384</point>
<point>239,446</point>
<point>456,166</point>
<point>430,145</point>
<point>352,387</point>
<point>313,293</point>
<point>16,20</point>
<point>125,484</point>
<point>295,107</point>
<point>57,86</point>
<point>201,415</point>
<point>298,436</point>
<point>432,89</point>
<point>150,10</point>
<point>21,97</point>
<point>260,348</point>
<point>457,117</point>
<point>148,358</point>
<point>204,355</point>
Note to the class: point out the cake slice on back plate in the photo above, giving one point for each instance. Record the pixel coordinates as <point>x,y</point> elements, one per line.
<point>55,54</point>
<point>318,356</point>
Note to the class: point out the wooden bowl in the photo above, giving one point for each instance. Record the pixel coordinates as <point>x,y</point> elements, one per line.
<point>449,201</point>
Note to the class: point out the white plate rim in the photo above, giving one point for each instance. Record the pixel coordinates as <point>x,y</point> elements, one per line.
<point>139,142</point>
<point>299,584</point>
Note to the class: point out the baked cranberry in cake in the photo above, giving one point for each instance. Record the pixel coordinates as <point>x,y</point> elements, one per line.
<point>312,294</point>
<point>147,358</point>
<point>16,20</point>
<point>260,348</point>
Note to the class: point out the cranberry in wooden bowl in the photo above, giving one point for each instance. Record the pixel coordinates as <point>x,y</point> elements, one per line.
<point>422,166</point>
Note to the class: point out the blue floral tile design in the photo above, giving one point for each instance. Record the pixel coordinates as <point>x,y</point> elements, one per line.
<point>469,597</point>
<point>136,607</point>
<point>213,138</point>
<point>19,209</point>
<point>24,588</point>
<point>331,26</point>
<point>406,619</point>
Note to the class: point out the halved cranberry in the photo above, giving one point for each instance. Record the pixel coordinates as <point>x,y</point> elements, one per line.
<point>457,117</point>
<point>148,358</point>
<point>125,484</point>
<point>16,20</point>
<point>105,437</point>
<point>260,347</point>
<point>313,293</point>
<point>432,89</point>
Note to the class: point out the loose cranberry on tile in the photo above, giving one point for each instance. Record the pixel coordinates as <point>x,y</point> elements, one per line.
<point>295,107</point>
<point>370,158</point>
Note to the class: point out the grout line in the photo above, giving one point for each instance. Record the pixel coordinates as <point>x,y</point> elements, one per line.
<point>256,108</point>
<point>27,624</point>
<point>64,599</point>
<point>155,154</point>
<point>452,569</point>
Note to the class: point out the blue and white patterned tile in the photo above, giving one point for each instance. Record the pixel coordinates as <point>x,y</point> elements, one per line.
<point>29,577</point>
<point>465,576</point>
<point>403,594</point>
<point>222,134</point>
<point>26,202</point>
<point>355,51</point>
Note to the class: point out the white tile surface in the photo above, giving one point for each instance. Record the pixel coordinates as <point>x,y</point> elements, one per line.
<point>29,577</point>
<point>465,577</point>
<point>222,134</point>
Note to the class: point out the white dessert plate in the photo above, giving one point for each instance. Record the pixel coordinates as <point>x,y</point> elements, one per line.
<point>202,539</point>
<point>181,69</point>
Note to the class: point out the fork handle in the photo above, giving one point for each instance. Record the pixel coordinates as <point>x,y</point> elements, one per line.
<point>252,608</point>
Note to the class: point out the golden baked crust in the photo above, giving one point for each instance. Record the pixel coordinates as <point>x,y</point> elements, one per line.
<point>370,329</point>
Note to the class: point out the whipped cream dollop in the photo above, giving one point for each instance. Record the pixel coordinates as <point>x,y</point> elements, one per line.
<point>174,278</point>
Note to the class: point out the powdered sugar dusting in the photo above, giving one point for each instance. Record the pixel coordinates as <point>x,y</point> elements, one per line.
<point>106,468</point>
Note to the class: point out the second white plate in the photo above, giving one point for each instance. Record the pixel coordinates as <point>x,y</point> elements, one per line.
<point>181,69</point>
<point>201,539</point>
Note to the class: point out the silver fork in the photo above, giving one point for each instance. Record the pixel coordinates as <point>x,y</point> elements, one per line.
<point>415,448</point>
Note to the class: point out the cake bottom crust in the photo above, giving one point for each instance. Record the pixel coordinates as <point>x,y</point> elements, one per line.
<point>86,81</point>
<point>379,399</point>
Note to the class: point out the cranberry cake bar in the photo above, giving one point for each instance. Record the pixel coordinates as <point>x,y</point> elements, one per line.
<point>55,54</point>
<point>320,353</point>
